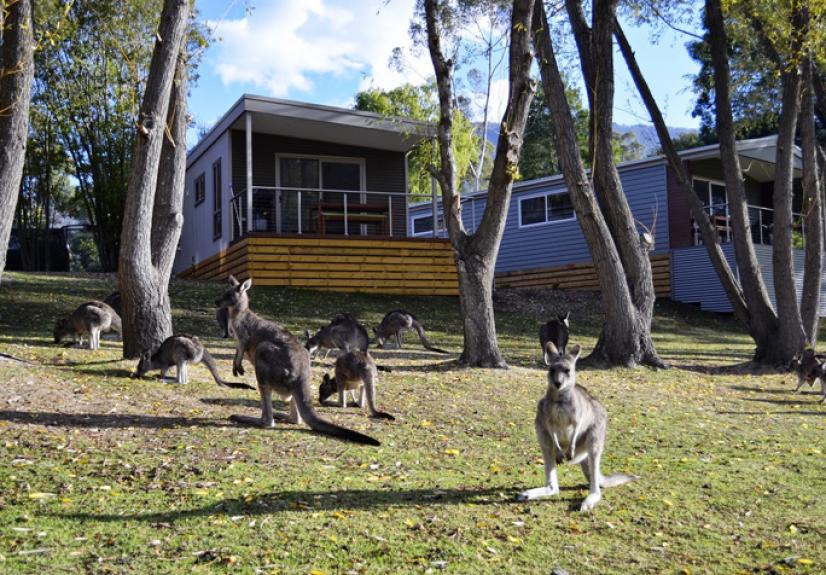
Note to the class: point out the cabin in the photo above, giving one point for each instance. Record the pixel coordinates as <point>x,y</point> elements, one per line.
<point>543,246</point>
<point>304,195</point>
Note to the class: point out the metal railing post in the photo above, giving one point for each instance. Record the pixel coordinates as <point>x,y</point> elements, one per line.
<point>390,214</point>
<point>298,204</point>
<point>346,228</point>
<point>760,223</point>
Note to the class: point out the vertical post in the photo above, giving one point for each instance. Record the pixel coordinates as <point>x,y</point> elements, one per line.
<point>390,213</point>
<point>346,229</point>
<point>433,206</point>
<point>298,205</point>
<point>760,223</point>
<point>248,134</point>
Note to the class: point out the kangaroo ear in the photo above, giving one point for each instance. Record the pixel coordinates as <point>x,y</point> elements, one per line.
<point>551,353</point>
<point>575,351</point>
<point>564,318</point>
<point>246,285</point>
<point>232,281</point>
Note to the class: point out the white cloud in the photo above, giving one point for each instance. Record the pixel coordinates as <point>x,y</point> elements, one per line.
<point>282,45</point>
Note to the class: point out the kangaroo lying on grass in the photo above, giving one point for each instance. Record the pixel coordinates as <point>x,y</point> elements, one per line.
<point>394,323</point>
<point>281,363</point>
<point>343,332</point>
<point>89,319</point>
<point>180,351</point>
<point>355,371</point>
<point>810,368</point>
<point>570,426</point>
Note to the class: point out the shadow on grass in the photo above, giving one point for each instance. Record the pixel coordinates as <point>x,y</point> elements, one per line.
<point>801,401</point>
<point>240,402</point>
<point>743,368</point>
<point>119,372</point>
<point>760,390</point>
<point>315,501</point>
<point>814,413</point>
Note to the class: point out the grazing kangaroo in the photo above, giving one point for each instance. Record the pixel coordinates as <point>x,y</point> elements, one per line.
<point>343,332</point>
<point>355,371</point>
<point>90,318</point>
<point>114,301</point>
<point>570,426</point>
<point>810,368</point>
<point>180,351</point>
<point>557,331</point>
<point>282,365</point>
<point>394,323</point>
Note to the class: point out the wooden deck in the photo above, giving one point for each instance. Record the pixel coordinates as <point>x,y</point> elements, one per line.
<point>409,266</point>
<point>581,277</point>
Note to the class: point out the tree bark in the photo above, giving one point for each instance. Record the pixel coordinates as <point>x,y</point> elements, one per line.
<point>16,74</point>
<point>812,211</point>
<point>475,254</point>
<point>707,231</point>
<point>146,317</point>
<point>762,315</point>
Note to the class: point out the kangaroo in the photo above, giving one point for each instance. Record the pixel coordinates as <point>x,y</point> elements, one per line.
<point>90,318</point>
<point>394,323</point>
<point>180,351</point>
<point>557,331</point>
<point>355,371</point>
<point>222,317</point>
<point>114,301</point>
<point>343,332</point>
<point>810,368</point>
<point>571,425</point>
<point>282,365</point>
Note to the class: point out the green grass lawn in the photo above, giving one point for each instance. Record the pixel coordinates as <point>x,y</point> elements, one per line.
<point>100,473</point>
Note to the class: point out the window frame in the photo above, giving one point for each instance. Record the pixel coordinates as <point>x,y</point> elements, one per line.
<point>544,194</point>
<point>200,182</point>
<point>440,220</point>
<point>217,200</point>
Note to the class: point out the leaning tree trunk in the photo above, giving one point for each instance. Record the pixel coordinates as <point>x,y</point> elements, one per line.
<point>16,75</point>
<point>763,317</point>
<point>475,254</point>
<point>146,314</point>
<point>812,212</point>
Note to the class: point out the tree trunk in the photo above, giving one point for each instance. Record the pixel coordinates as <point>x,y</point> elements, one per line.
<point>812,212</point>
<point>762,315</point>
<point>146,318</point>
<point>475,254</point>
<point>626,337</point>
<point>16,74</point>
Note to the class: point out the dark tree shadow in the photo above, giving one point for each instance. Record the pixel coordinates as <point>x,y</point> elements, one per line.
<point>120,372</point>
<point>801,401</point>
<point>241,402</point>
<point>814,413</point>
<point>743,368</point>
<point>314,501</point>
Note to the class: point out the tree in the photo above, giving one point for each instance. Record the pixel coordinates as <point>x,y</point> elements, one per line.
<point>152,218</point>
<point>475,253</point>
<point>618,250</point>
<point>419,103</point>
<point>16,72</point>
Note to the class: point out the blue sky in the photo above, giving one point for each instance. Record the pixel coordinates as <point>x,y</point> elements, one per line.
<point>324,51</point>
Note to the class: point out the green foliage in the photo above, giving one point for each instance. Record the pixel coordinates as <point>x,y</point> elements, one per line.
<point>420,103</point>
<point>83,253</point>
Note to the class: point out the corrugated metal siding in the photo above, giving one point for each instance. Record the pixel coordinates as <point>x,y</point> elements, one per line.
<point>695,281</point>
<point>384,169</point>
<point>679,214</point>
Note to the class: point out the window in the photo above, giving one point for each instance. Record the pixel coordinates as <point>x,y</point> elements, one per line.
<point>200,189</point>
<point>545,208</point>
<point>713,195</point>
<point>423,224</point>
<point>217,202</point>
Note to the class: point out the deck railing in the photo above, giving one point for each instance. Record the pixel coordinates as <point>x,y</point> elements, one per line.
<point>761,225</point>
<point>288,210</point>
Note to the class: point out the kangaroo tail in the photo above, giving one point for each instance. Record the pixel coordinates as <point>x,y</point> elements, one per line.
<point>384,368</point>
<point>422,338</point>
<point>318,423</point>
<point>209,361</point>
<point>617,479</point>
<point>370,380</point>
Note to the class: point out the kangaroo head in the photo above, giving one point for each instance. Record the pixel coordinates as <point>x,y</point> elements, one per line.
<point>561,367</point>
<point>236,295</point>
<point>563,318</point>
<point>313,343</point>
<point>144,364</point>
<point>62,328</point>
<point>327,388</point>
<point>379,336</point>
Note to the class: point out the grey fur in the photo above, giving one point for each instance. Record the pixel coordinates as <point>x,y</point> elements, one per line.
<point>180,351</point>
<point>810,368</point>
<point>398,321</point>
<point>355,371</point>
<point>89,319</point>
<point>570,426</point>
<point>282,365</point>
<point>344,332</point>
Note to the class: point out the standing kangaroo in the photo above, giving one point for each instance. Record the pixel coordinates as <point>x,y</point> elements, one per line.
<point>281,363</point>
<point>355,371</point>
<point>570,426</point>
<point>394,323</point>
<point>180,351</point>
<point>90,318</point>
<point>557,331</point>
<point>343,332</point>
